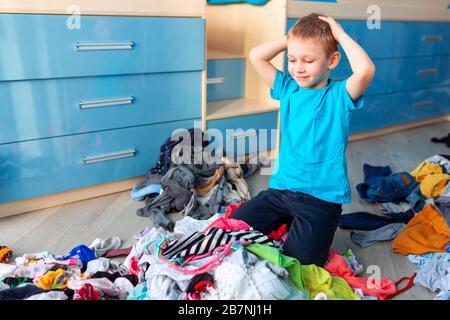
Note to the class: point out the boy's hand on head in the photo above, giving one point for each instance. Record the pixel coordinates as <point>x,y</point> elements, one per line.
<point>362,67</point>
<point>336,28</point>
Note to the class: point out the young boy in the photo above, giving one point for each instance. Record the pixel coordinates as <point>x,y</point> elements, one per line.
<point>309,184</point>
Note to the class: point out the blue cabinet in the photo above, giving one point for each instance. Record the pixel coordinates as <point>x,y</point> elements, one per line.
<point>225,79</point>
<point>86,106</point>
<point>41,46</point>
<point>397,39</point>
<point>400,108</point>
<point>402,74</point>
<point>36,109</point>
<point>38,167</point>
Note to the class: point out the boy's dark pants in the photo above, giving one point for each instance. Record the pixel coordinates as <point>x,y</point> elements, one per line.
<point>311,222</point>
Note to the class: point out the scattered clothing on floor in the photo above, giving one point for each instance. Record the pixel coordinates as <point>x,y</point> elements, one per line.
<point>390,207</point>
<point>366,239</point>
<point>102,246</point>
<point>338,266</point>
<point>199,243</point>
<point>49,295</point>
<point>435,273</point>
<point>196,190</point>
<point>118,252</point>
<point>13,282</point>
<point>6,254</point>
<point>83,253</point>
<point>150,187</point>
<point>195,138</point>
<point>244,277</point>
<point>176,184</point>
<point>86,292</point>
<point>426,232</point>
<point>368,221</point>
<point>443,207</point>
<point>6,270</point>
<point>353,262</point>
<point>375,171</point>
<point>416,199</point>
<point>20,293</point>
<point>395,187</point>
<point>434,185</point>
<point>253,163</point>
<point>310,277</point>
<point>424,169</point>
<point>445,139</point>
<point>440,159</point>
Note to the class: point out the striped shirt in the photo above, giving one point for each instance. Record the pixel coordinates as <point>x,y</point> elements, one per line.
<point>198,243</point>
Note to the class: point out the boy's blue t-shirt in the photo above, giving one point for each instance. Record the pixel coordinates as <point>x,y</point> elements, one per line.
<point>314,135</point>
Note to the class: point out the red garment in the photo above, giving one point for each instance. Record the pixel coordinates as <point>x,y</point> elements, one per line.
<point>338,266</point>
<point>227,224</point>
<point>406,288</point>
<point>86,292</point>
<point>118,252</point>
<point>231,208</point>
<point>134,267</point>
<point>279,233</point>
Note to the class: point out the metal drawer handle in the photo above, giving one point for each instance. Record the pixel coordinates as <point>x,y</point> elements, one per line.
<point>427,72</point>
<point>80,46</point>
<point>432,38</point>
<point>215,80</point>
<point>243,135</point>
<point>109,156</point>
<point>105,103</point>
<point>423,104</point>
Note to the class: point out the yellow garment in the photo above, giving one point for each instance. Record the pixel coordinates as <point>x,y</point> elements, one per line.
<point>53,280</point>
<point>433,185</point>
<point>318,279</point>
<point>424,169</point>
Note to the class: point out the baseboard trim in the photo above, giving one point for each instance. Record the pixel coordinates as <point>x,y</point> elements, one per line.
<point>394,129</point>
<point>61,198</point>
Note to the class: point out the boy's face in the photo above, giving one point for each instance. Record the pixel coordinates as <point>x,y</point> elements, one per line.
<point>308,63</point>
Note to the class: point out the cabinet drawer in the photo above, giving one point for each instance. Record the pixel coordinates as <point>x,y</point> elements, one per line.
<point>398,38</point>
<point>225,79</point>
<point>39,167</point>
<point>42,46</point>
<point>46,108</point>
<point>394,109</point>
<point>395,75</point>
<point>245,134</point>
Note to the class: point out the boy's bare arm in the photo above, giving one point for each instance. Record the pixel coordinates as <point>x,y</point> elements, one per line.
<point>261,55</point>
<point>362,67</point>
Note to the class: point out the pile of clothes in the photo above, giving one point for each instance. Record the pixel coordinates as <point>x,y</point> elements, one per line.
<point>187,179</point>
<point>85,273</point>
<point>416,216</point>
<point>218,258</point>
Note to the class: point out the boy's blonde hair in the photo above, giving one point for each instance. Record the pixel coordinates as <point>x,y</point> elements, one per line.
<point>311,27</point>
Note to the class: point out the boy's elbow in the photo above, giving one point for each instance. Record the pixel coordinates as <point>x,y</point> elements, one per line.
<point>369,72</point>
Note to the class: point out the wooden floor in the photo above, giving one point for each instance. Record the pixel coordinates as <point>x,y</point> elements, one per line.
<point>59,229</point>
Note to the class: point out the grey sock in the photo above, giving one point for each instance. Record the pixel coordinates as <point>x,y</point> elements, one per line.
<point>368,238</point>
